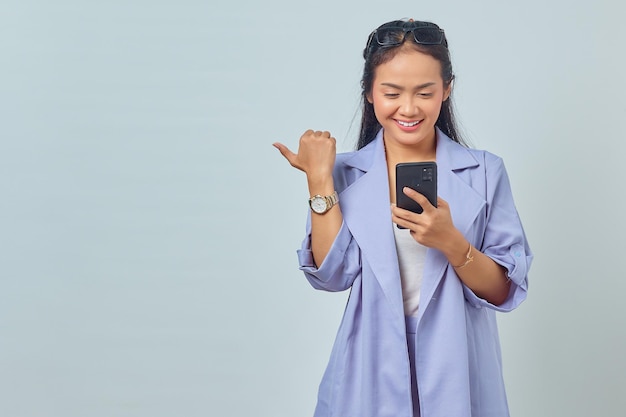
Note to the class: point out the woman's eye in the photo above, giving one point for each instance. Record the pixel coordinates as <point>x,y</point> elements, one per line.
<point>425,95</point>
<point>391,95</point>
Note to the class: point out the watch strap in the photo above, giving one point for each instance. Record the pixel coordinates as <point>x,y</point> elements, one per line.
<point>332,199</point>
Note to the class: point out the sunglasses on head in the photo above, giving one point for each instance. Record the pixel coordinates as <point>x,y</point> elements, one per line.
<point>393,36</point>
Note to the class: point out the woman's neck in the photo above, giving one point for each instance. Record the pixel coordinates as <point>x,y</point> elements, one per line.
<point>396,153</point>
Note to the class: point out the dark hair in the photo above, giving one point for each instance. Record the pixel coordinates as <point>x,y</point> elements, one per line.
<point>375,55</point>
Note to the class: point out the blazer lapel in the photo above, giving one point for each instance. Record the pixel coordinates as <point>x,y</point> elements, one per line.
<point>465,205</point>
<point>366,208</point>
<point>465,202</point>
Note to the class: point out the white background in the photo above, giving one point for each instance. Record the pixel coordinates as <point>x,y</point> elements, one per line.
<point>148,228</point>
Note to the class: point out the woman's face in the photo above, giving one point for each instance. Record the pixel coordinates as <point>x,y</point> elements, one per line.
<point>407,93</point>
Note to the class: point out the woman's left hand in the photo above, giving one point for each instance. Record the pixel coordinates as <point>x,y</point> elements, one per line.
<point>433,227</point>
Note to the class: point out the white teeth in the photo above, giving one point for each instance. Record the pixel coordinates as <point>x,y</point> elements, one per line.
<point>407,124</point>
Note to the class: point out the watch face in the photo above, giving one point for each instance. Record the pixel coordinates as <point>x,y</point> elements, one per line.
<point>318,205</point>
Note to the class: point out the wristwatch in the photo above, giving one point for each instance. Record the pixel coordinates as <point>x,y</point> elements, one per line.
<point>321,204</point>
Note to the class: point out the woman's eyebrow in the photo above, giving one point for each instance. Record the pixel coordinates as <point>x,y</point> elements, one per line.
<point>417,87</point>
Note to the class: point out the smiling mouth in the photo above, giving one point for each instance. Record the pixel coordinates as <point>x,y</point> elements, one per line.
<point>407,124</point>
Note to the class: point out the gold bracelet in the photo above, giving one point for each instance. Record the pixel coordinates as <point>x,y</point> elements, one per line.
<point>468,259</point>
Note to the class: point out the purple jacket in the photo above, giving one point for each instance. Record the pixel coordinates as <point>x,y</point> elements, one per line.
<point>458,361</point>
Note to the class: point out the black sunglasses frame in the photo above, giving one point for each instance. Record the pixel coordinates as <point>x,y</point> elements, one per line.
<point>440,40</point>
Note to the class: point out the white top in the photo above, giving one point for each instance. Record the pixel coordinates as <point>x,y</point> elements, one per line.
<point>411,257</point>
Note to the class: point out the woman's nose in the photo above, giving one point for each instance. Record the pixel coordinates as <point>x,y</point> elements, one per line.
<point>408,106</point>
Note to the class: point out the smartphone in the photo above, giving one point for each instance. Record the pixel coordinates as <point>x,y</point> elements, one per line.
<point>420,176</point>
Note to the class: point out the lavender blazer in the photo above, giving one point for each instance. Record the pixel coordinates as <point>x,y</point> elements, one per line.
<point>458,360</point>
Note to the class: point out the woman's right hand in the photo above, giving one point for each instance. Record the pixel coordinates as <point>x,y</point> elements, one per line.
<point>316,157</point>
<point>316,154</point>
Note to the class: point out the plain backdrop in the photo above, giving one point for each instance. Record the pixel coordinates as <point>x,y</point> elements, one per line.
<point>148,228</point>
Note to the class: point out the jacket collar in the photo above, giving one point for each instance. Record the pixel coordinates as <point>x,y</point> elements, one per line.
<point>366,208</point>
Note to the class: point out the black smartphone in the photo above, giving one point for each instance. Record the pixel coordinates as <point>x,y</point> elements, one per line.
<point>420,176</point>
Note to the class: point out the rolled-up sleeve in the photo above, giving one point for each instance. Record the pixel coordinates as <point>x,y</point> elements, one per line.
<point>504,239</point>
<point>340,267</point>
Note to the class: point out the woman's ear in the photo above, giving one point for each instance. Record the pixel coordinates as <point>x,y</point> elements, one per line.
<point>368,96</point>
<point>447,90</point>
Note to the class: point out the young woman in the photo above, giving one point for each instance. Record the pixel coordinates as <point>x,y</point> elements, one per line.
<point>419,335</point>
